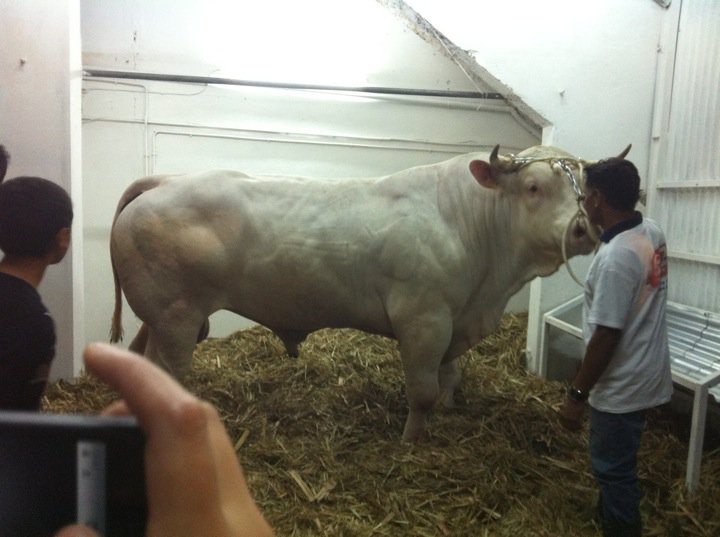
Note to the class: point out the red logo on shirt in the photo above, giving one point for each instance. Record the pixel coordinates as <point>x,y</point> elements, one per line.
<point>659,268</point>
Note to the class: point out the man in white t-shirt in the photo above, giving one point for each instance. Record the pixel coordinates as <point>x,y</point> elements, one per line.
<point>626,367</point>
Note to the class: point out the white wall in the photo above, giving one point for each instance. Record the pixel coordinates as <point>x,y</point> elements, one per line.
<point>684,165</point>
<point>40,126</point>
<point>588,67</point>
<point>352,42</point>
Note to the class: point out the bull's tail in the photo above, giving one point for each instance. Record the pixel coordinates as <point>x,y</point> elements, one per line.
<point>132,192</point>
<point>116,329</point>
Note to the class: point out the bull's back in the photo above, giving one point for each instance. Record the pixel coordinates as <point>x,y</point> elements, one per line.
<point>278,250</point>
<point>244,215</point>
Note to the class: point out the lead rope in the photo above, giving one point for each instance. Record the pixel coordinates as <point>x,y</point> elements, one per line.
<point>581,214</point>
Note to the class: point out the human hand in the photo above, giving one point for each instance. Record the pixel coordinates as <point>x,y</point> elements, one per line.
<point>195,485</point>
<point>571,414</point>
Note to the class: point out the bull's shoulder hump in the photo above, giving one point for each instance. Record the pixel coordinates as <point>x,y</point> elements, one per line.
<point>275,179</point>
<point>212,174</point>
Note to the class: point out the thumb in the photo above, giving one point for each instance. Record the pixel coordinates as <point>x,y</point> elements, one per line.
<point>76,530</point>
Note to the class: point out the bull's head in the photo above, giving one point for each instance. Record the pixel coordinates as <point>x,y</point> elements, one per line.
<point>544,188</point>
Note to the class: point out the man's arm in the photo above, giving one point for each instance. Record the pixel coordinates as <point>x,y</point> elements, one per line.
<point>598,353</point>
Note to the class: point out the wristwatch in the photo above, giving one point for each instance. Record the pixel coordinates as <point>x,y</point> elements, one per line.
<point>577,395</point>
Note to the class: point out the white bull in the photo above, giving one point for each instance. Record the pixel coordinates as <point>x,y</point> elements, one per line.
<point>430,256</point>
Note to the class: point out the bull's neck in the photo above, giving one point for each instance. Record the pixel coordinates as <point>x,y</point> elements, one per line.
<point>492,235</point>
<point>503,259</point>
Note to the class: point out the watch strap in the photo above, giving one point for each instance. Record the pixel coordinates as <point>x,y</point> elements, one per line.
<point>576,394</point>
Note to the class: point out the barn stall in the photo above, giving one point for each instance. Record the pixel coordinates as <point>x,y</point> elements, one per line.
<point>188,108</point>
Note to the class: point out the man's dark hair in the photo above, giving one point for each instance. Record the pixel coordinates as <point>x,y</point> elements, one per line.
<point>4,160</point>
<point>618,180</point>
<point>32,212</point>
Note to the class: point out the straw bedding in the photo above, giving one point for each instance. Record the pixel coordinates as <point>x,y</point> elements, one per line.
<point>319,439</point>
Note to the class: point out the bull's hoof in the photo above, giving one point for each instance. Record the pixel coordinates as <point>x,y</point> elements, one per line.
<point>415,430</point>
<point>414,438</point>
<point>447,400</point>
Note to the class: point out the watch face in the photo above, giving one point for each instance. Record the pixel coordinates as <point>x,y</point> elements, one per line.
<point>576,395</point>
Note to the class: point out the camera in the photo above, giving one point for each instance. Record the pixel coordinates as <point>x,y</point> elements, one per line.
<point>60,469</point>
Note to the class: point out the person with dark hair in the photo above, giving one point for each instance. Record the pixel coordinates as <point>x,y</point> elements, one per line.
<point>626,367</point>
<point>35,219</point>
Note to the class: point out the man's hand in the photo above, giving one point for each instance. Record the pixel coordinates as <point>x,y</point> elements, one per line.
<point>195,484</point>
<point>571,414</point>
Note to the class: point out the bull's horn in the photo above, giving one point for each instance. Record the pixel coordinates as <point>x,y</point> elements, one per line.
<point>500,163</point>
<point>624,153</point>
<point>494,156</point>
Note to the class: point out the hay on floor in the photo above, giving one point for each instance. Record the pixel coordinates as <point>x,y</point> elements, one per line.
<point>319,438</point>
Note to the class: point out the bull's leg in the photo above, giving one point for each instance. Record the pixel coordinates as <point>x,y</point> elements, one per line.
<point>172,338</point>
<point>291,340</point>
<point>204,331</point>
<point>450,376</point>
<point>422,392</point>
<point>422,346</point>
<point>139,342</point>
<point>172,350</point>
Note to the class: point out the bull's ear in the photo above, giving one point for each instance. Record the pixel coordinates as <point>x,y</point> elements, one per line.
<point>482,174</point>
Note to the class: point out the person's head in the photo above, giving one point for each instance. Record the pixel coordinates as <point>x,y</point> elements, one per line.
<point>617,180</point>
<point>35,219</point>
<point>4,160</point>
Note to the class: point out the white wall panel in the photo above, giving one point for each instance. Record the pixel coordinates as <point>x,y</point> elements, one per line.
<point>685,187</point>
<point>691,219</point>
<point>695,284</point>
<point>40,126</point>
<point>693,144</point>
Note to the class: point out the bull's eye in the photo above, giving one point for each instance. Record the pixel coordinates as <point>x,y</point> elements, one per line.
<point>533,188</point>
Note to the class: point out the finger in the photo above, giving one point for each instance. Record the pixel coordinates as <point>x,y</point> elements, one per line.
<point>183,476</point>
<point>231,481</point>
<point>179,457</point>
<point>174,421</point>
<point>117,408</point>
<point>76,531</point>
<point>238,505</point>
<point>149,392</point>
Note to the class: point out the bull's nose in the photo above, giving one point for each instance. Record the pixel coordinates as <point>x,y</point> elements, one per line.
<point>579,230</point>
<point>584,231</point>
<point>580,239</point>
